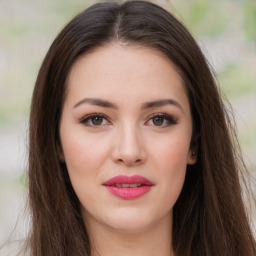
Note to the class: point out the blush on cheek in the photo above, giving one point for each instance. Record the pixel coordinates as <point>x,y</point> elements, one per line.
<point>81,156</point>
<point>175,151</point>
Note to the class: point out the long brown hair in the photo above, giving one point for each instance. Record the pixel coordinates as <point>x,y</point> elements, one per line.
<point>209,217</point>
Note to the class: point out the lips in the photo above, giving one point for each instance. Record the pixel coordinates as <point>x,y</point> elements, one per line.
<point>128,187</point>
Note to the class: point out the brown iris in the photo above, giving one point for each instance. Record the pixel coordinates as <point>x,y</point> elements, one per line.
<point>158,120</point>
<point>97,120</point>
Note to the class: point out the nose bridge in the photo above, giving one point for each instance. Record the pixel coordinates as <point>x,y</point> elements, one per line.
<point>129,145</point>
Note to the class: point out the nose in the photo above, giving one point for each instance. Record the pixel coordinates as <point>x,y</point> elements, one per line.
<point>129,147</point>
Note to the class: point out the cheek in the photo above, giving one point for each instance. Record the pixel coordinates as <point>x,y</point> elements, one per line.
<point>84,160</point>
<point>173,165</point>
<point>171,153</point>
<point>170,160</point>
<point>83,154</point>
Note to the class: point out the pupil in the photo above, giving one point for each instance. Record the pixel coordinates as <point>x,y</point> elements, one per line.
<point>97,120</point>
<point>158,120</point>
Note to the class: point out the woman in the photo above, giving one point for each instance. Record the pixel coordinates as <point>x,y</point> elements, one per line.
<point>131,150</point>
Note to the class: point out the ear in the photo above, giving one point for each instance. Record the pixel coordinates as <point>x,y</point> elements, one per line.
<point>193,152</point>
<point>192,156</point>
<point>60,153</point>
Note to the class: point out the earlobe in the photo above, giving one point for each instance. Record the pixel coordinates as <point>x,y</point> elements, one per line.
<point>192,157</point>
<point>193,152</point>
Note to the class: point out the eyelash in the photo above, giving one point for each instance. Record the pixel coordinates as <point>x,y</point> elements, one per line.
<point>89,117</point>
<point>166,118</point>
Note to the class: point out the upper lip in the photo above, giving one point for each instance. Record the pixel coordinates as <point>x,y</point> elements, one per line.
<point>122,179</point>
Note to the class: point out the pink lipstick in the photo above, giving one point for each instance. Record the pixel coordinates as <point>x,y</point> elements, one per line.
<point>128,187</point>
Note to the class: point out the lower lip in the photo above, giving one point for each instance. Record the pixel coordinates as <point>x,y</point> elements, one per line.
<point>128,193</point>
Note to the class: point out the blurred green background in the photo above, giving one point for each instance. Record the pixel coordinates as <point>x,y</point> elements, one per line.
<point>225,29</point>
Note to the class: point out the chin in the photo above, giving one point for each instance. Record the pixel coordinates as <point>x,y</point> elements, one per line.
<point>132,221</point>
<point>130,225</point>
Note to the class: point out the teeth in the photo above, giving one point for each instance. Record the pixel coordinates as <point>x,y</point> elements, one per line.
<point>133,185</point>
<point>125,185</point>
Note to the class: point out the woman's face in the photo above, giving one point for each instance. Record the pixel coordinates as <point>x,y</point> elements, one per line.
<point>125,133</point>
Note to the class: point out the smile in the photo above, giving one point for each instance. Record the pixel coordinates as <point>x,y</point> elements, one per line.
<point>128,187</point>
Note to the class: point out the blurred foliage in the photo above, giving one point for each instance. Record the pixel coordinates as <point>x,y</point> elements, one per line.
<point>236,81</point>
<point>203,17</point>
<point>206,17</point>
<point>250,19</point>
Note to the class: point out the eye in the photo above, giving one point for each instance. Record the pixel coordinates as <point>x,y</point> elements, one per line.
<point>95,120</point>
<point>162,120</point>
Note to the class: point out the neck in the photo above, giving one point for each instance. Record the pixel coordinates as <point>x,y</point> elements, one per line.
<point>152,241</point>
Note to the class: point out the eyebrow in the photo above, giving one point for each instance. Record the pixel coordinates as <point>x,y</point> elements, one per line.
<point>160,103</point>
<point>96,102</point>
<point>146,105</point>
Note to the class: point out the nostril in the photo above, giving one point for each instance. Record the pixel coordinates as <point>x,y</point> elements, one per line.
<point>129,162</point>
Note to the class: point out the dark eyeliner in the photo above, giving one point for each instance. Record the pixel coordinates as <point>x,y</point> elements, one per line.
<point>170,120</point>
<point>85,119</point>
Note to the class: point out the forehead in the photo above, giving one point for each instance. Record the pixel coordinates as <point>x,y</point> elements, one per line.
<point>116,53</point>
<point>124,72</point>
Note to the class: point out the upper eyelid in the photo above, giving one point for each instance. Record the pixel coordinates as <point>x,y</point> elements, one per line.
<point>163,114</point>
<point>168,117</point>
<point>87,117</point>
